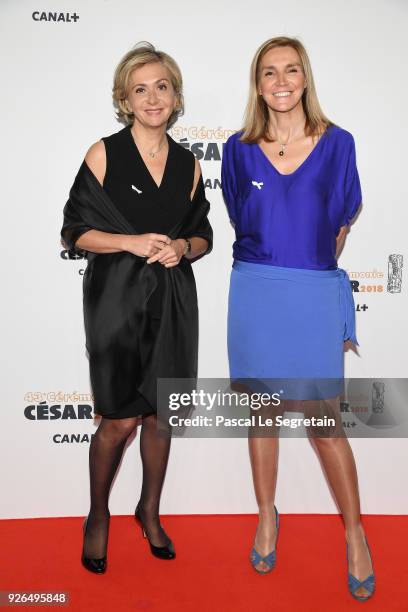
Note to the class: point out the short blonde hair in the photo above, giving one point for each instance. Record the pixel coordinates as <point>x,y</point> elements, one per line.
<point>140,55</point>
<point>256,117</point>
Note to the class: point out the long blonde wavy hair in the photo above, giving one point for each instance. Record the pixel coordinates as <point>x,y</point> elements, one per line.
<point>256,118</point>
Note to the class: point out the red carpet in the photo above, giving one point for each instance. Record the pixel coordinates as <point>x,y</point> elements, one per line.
<point>212,572</point>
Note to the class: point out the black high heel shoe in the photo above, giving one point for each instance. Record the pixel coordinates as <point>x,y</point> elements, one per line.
<point>97,566</point>
<point>161,552</point>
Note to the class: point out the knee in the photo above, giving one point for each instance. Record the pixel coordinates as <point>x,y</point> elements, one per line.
<point>326,443</point>
<point>117,429</point>
<point>151,423</point>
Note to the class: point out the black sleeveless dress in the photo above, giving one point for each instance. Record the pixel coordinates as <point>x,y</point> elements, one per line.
<point>116,360</point>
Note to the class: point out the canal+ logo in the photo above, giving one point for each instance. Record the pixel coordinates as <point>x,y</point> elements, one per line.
<point>55,17</point>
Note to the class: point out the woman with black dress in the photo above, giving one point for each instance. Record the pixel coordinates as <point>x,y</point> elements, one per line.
<point>138,208</point>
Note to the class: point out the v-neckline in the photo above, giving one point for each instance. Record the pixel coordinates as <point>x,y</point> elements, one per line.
<point>164,175</point>
<point>304,162</point>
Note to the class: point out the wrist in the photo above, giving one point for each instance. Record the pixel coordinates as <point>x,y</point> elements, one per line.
<point>187,246</point>
<point>124,242</point>
<point>182,246</point>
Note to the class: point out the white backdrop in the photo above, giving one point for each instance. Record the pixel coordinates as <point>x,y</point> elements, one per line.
<point>56,101</point>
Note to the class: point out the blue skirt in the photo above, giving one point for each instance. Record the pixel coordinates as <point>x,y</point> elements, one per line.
<point>290,323</point>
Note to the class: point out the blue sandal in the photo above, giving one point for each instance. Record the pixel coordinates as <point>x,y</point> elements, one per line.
<point>354,584</point>
<point>269,559</point>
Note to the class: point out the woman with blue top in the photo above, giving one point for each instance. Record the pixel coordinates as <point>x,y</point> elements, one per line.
<point>291,186</point>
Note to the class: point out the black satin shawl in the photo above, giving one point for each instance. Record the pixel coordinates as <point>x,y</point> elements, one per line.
<point>126,356</point>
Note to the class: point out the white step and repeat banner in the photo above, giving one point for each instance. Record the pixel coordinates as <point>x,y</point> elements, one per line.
<point>57,62</point>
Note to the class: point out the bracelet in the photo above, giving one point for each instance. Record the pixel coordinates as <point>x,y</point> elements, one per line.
<point>188,246</point>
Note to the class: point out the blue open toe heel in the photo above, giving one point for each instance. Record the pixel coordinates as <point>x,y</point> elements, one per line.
<point>269,559</point>
<point>354,584</point>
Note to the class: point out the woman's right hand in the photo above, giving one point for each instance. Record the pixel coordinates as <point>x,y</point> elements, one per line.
<point>146,245</point>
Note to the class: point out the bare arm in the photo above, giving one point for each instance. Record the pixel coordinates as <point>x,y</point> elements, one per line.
<point>101,242</point>
<point>341,239</point>
<point>198,245</point>
<point>143,245</point>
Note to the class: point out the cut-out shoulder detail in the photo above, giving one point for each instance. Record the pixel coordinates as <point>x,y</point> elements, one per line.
<point>197,174</point>
<point>96,160</point>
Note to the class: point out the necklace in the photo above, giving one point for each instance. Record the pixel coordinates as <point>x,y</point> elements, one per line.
<point>152,154</point>
<point>283,145</point>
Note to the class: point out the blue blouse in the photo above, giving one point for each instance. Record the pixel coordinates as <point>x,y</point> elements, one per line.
<point>291,220</point>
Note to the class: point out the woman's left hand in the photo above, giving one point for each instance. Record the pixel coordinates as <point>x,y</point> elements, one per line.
<point>170,255</point>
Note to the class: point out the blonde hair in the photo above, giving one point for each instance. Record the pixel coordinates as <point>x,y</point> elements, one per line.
<point>141,54</point>
<point>256,116</point>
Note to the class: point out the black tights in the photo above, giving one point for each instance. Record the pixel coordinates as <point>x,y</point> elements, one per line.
<point>105,453</point>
